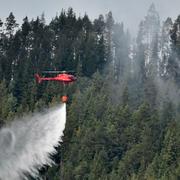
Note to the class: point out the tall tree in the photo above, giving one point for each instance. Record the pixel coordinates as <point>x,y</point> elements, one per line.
<point>10,25</point>
<point>109,42</point>
<point>173,67</point>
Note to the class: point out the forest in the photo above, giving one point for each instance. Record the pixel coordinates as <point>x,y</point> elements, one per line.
<point>123,114</point>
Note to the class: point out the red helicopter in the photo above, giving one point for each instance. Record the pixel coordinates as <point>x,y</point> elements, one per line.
<point>62,76</point>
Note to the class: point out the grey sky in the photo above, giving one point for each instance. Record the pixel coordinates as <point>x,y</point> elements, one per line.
<point>128,11</point>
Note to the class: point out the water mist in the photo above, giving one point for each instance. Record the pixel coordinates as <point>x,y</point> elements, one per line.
<point>26,144</point>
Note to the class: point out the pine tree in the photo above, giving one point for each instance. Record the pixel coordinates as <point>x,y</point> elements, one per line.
<point>10,24</point>
<point>109,42</point>
<point>151,28</point>
<point>165,47</point>
<point>120,52</point>
<point>173,63</point>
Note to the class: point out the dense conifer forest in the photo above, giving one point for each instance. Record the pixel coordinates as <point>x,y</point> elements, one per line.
<point>123,114</point>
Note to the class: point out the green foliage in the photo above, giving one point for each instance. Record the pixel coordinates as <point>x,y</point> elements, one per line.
<point>8,103</point>
<point>115,128</point>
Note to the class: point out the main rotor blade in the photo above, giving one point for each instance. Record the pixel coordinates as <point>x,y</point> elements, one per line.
<point>55,72</point>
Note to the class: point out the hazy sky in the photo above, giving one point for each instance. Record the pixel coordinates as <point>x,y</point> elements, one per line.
<point>128,11</point>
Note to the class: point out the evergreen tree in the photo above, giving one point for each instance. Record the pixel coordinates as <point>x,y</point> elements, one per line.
<point>10,24</point>
<point>109,42</point>
<point>173,63</point>
<point>165,47</point>
<point>122,133</point>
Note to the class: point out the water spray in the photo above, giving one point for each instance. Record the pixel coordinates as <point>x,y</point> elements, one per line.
<point>26,144</point>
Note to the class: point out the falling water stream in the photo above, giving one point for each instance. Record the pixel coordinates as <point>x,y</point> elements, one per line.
<point>26,144</point>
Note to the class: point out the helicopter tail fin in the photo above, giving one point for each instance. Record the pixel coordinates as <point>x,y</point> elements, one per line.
<point>38,78</point>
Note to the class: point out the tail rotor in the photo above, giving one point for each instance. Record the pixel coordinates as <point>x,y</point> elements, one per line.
<point>38,78</point>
